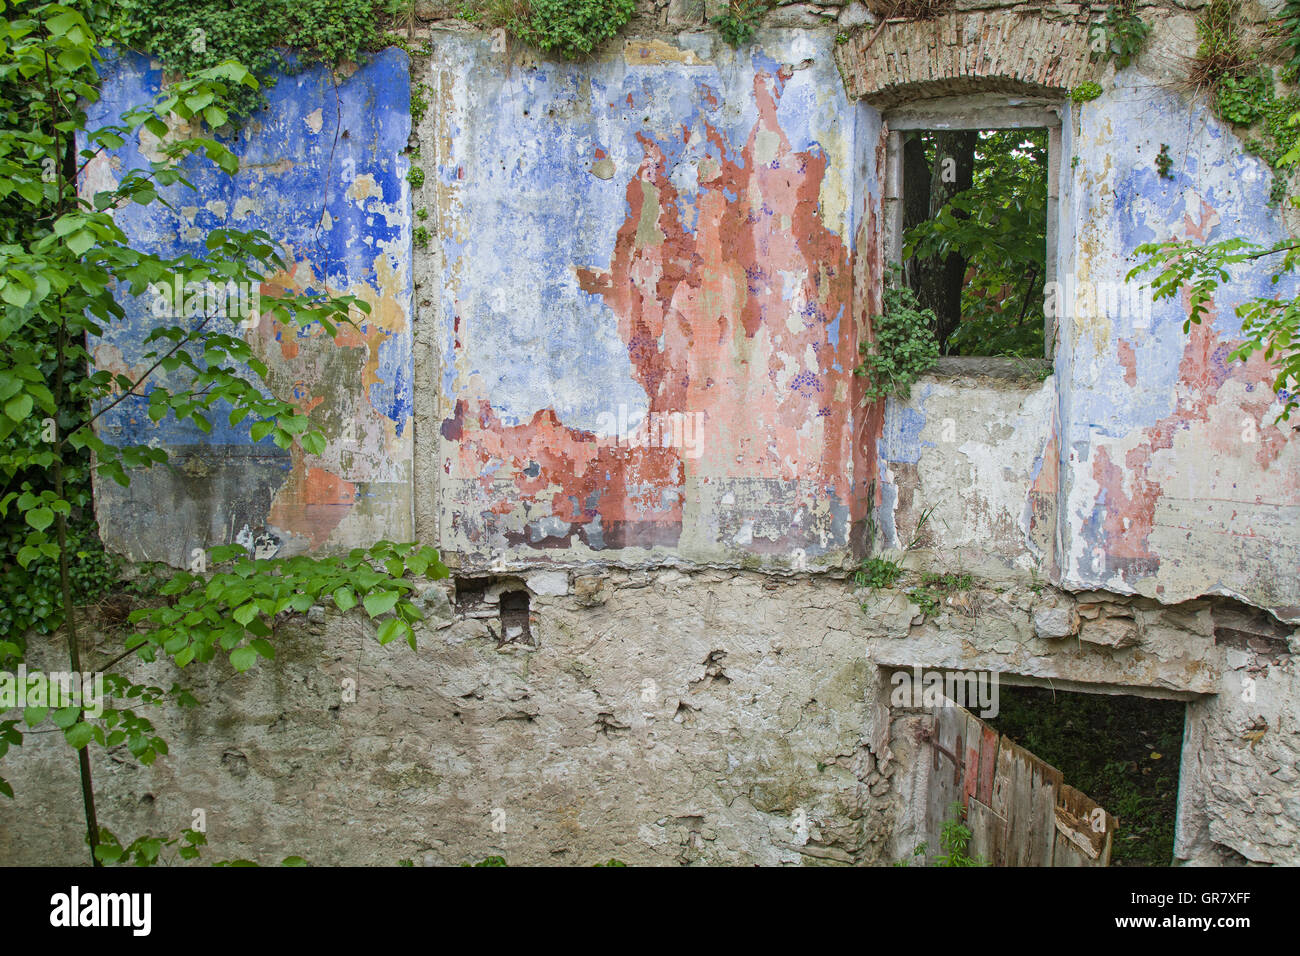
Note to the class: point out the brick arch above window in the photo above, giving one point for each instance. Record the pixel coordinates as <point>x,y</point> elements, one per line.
<point>993,51</point>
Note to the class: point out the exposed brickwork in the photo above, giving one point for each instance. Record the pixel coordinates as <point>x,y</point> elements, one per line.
<point>966,52</point>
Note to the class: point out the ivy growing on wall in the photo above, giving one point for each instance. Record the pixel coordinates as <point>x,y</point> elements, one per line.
<point>1120,35</point>
<point>904,345</point>
<point>188,36</point>
<point>570,28</point>
<point>1231,63</point>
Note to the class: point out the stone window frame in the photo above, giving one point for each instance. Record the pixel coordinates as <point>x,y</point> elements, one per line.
<point>978,111</point>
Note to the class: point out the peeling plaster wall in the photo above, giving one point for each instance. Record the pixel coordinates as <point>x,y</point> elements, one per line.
<point>323,172</point>
<point>1175,480</point>
<point>729,738</point>
<point>977,489</point>
<point>664,231</point>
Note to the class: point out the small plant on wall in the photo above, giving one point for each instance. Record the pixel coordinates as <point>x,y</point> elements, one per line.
<point>737,25</point>
<point>1120,35</point>
<point>570,28</point>
<point>904,346</point>
<point>1232,65</point>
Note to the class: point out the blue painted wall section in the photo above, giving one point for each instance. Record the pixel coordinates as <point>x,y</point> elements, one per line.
<point>322,170</point>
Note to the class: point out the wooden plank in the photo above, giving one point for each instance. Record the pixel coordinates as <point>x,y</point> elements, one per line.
<point>1020,813</point>
<point>945,785</point>
<point>1112,827</point>
<point>952,731</point>
<point>933,785</point>
<point>1003,780</point>
<point>971,755</point>
<point>986,830</point>
<point>988,764</point>
<point>1074,816</point>
<point>1065,853</point>
<point>1047,781</point>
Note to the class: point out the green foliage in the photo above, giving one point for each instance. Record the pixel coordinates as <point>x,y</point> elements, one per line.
<point>1270,325</point>
<point>999,226</point>
<point>419,102</point>
<point>903,345</point>
<point>415,176</point>
<point>1120,35</point>
<point>929,596</point>
<point>1086,92</point>
<point>947,581</point>
<point>145,850</point>
<point>1290,25</point>
<point>1252,99</point>
<point>32,599</point>
<point>1221,50</point>
<point>1241,99</point>
<point>737,25</point>
<point>1230,62</point>
<point>1164,162</point>
<point>954,841</point>
<point>489,861</point>
<point>420,236</point>
<point>571,28</point>
<point>235,608</point>
<point>878,573</point>
<point>63,262</point>
<point>611,862</point>
<point>189,36</point>
<point>926,600</point>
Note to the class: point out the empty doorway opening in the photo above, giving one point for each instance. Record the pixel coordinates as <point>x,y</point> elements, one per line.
<point>1124,751</point>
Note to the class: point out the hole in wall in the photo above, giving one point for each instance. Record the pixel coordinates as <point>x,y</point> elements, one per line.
<point>514,618</point>
<point>471,593</point>
<point>1122,751</point>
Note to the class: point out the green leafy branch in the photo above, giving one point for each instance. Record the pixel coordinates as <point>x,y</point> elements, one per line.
<point>1268,325</point>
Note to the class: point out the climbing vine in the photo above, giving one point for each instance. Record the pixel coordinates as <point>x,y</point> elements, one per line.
<point>187,36</point>
<point>1232,64</point>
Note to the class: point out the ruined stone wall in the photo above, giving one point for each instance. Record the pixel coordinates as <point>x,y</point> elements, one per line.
<point>674,227</point>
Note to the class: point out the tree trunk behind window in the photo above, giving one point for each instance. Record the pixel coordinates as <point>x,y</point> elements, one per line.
<point>937,283</point>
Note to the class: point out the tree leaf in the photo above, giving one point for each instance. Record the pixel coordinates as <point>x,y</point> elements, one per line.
<point>243,658</point>
<point>344,599</point>
<point>79,734</point>
<point>380,602</point>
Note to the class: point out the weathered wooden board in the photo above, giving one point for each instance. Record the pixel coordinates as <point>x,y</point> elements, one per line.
<point>1018,807</point>
<point>971,756</point>
<point>1084,828</point>
<point>1047,784</point>
<point>988,762</point>
<point>986,831</point>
